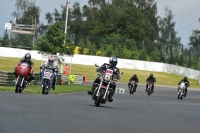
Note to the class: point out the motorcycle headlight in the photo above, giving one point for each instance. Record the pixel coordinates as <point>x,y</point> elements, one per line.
<point>107,78</point>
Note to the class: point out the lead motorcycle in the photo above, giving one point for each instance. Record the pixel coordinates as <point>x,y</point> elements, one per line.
<point>102,90</point>
<point>181,90</point>
<point>23,75</point>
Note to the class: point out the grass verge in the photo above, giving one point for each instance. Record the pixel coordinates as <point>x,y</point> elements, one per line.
<point>59,89</point>
<point>7,64</point>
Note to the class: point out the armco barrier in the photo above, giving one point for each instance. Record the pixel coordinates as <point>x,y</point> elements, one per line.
<point>3,78</point>
<point>6,79</point>
<point>76,79</point>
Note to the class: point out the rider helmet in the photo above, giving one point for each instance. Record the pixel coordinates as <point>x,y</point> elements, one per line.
<point>113,61</point>
<point>27,57</point>
<point>185,78</point>
<point>51,59</point>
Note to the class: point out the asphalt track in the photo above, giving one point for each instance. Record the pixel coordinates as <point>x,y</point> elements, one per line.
<point>161,112</point>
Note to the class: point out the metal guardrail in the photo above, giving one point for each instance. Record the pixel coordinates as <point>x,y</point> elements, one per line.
<point>78,79</point>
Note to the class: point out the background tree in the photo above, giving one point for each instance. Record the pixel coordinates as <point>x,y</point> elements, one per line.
<point>52,42</point>
<point>168,36</point>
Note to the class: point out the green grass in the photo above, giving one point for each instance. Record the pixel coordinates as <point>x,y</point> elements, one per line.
<point>59,89</point>
<point>7,64</point>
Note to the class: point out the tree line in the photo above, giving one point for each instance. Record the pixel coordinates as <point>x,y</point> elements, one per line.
<point>129,29</point>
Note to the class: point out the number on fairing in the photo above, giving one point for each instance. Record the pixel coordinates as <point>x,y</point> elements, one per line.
<point>109,72</point>
<point>47,74</point>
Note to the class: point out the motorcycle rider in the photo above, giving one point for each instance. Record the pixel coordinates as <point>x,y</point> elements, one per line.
<point>133,78</point>
<point>151,79</point>
<point>27,59</point>
<point>50,64</point>
<point>187,84</point>
<point>112,65</point>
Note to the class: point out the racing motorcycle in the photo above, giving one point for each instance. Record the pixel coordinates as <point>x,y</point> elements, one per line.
<point>47,79</point>
<point>23,75</point>
<point>102,90</point>
<point>181,90</point>
<point>149,88</point>
<point>132,87</point>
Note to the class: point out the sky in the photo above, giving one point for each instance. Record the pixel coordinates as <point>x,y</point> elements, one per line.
<point>186,13</point>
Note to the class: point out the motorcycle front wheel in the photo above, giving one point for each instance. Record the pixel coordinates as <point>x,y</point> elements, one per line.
<point>99,98</point>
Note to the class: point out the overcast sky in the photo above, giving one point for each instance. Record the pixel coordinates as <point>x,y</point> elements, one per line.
<point>186,13</point>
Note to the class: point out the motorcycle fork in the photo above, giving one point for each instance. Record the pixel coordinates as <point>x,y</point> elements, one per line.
<point>104,97</point>
<point>22,82</point>
<point>99,87</point>
<point>17,80</point>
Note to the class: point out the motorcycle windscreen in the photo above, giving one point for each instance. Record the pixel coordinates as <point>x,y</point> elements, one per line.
<point>182,85</point>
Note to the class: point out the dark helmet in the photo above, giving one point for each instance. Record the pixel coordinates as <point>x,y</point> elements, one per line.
<point>151,75</point>
<point>185,78</point>
<point>27,57</point>
<point>134,75</point>
<point>113,61</point>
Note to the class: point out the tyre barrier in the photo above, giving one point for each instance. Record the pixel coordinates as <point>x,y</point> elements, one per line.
<point>120,91</point>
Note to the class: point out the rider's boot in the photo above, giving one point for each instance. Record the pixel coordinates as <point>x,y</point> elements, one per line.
<point>53,85</point>
<point>90,92</point>
<point>110,99</point>
<point>185,92</point>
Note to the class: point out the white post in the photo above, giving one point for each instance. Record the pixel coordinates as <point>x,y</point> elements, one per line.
<point>67,7</point>
<point>67,3</point>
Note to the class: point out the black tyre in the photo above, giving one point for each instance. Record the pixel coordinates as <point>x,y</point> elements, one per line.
<point>99,98</point>
<point>43,89</point>
<point>149,91</point>
<point>179,95</point>
<point>20,90</point>
<point>17,88</point>
<point>131,90</point>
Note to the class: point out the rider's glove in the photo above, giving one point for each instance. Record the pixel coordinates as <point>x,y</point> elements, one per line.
<point>98,69</point>
<point>118,77</point>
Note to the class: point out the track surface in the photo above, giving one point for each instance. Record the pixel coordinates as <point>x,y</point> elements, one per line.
<point>161,112</point>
